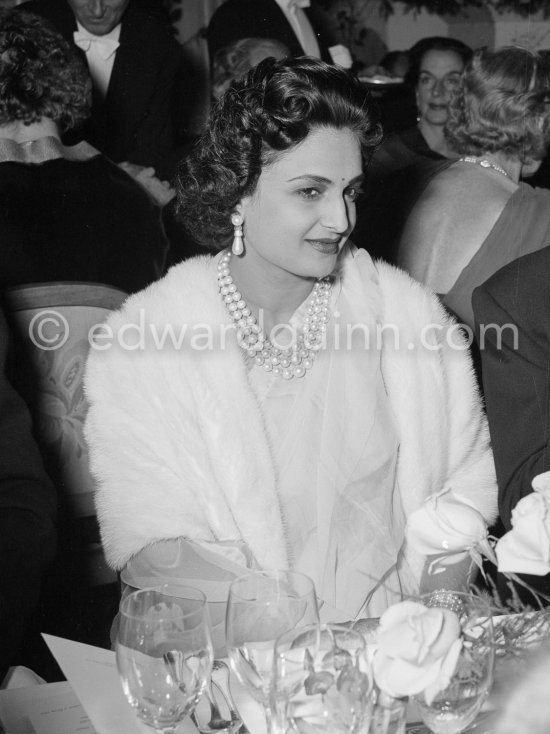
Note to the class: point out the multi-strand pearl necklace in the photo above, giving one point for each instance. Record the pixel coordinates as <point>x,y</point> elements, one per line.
<point>290,362</point>
<point>484,163</point>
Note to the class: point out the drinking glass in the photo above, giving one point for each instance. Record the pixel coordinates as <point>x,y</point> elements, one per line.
<point>262,606</point>
<point>320,681</point>
<point>164,653</point>
<point>454,708</point>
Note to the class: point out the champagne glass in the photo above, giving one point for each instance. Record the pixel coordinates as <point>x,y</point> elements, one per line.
<point>454,708</point>
<point>164,653</point>
<point>321,681</point>
<point>262,606</point>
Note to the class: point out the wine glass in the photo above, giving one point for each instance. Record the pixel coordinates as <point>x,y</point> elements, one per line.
<point>164,653</point>
<point>454,708</point>
<point>321,681</point>
<point>261,606</point>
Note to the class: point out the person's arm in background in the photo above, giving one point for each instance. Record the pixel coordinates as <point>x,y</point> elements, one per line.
<point>27,515</point>
<point>515,355</point>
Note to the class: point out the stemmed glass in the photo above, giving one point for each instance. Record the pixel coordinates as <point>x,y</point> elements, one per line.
<point>164,653</point>
<point>320,681</point>
<point>262,606</point>
<point>454,708</point>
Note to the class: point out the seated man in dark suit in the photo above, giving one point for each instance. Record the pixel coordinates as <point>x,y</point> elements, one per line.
<point>135,65</point>
<point>512,311</point>
<point>27,515</point>
<point>289,21</point>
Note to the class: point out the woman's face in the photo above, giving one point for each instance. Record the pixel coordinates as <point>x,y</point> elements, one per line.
<point>439,76</point>
<point>303,209</point>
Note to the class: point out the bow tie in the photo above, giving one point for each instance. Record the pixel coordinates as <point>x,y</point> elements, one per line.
<point>292,4</point>
<point>104,46</point>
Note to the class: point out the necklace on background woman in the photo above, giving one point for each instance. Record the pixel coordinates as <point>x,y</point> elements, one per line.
<point>484,163</point>
<point>295,360</point>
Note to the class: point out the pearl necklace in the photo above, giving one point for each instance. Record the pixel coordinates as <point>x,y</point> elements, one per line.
<point>298,358</point>
<point>484,163</point>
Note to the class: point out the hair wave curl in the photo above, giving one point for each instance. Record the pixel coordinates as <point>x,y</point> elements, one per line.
<point>40,75</point>
<point>502,105</point>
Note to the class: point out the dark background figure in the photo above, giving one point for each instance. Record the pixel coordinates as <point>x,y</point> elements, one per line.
<point>235,60</point>
<point>237,19</point>
<point>410,155</point>
<point>27,515</point>
<point>514,307</point>
<point>134,119</point>
<point>68,213</point>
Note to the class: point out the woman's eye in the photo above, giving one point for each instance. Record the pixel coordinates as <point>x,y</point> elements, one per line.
<point>452,82</point>
<point>310,193</point>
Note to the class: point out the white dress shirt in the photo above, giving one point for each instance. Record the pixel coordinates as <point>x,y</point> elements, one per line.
<point>100,54</point>
<point>301,25</point>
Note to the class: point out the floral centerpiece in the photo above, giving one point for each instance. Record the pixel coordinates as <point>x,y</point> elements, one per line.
<point>416,649</point>
<point>448,528</point>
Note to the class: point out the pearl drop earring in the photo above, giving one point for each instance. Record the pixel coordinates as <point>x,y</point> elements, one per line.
<point>237,222</point>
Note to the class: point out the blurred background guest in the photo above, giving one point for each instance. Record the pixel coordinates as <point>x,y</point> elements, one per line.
<point>403,164</point>
<point>515,356</point>
<point>475,216</point>
<point>291,22</point>
<point>234,60</point>
<point>435,65</point>
<point>136,67</point>
<point>68,213</point>
<point>396,63</point>
<point>27,516</point>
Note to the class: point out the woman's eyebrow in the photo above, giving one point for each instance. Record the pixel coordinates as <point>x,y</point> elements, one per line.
<point>323,179</point>
<point>311,177</point>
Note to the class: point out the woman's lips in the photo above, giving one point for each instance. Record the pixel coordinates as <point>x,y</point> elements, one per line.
<point>327,247</point>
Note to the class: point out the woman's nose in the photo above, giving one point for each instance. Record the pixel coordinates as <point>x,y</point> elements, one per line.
<point>439,88</point>
<point>337,215</point>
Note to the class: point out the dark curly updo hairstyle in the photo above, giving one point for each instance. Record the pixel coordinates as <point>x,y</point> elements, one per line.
<point>270,110</point>
<point>502,105</point>
<point>40,76</point>
<point>433,43</point>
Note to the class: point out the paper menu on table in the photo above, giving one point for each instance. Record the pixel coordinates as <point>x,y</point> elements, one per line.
<point>43,709</point>
<point>93,675</point>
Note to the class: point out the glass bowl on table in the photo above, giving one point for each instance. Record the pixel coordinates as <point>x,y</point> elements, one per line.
<point>262,606</point>
<point>164,653</point>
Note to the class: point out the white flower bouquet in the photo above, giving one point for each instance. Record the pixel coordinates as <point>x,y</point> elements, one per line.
<point>448,528</point>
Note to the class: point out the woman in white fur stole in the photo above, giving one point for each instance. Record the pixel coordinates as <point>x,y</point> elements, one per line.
<point>284,402</point>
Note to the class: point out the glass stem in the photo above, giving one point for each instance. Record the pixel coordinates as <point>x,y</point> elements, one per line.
<point>275,719</point>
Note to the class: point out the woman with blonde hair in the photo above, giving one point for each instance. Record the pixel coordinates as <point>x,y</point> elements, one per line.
<point>475,216</point>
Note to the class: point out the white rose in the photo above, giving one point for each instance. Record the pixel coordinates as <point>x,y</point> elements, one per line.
<point>526,547</point>
<point>448,523</point>
<point>417,650</point>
